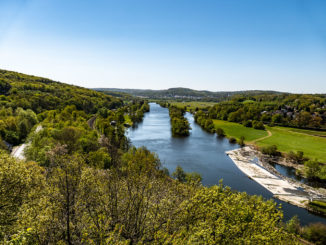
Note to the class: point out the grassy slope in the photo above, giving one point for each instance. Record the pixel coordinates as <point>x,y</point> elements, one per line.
<point>287,140</point>
<point>237,130</point>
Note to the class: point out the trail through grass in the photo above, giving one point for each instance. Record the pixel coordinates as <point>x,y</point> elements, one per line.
<point>287,140</point>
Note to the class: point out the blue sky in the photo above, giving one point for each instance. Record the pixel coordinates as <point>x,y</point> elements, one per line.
<point>201,44</point>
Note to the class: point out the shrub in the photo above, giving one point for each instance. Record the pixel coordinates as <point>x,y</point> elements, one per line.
<point>312,169</point>
<point>241,141</point>
<point>293,225</point>
<point>296,157</point>
<point>258,125</point>
<point>315,233</point>
<point>220,132</point>
<point>232,140</point>
<point>247,124</point>
<point>270,150</point>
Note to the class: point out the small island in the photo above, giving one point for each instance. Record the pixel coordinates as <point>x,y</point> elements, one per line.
<point>179,124</point>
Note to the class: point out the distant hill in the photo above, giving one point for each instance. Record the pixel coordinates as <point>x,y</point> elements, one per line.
<point>185,93</point>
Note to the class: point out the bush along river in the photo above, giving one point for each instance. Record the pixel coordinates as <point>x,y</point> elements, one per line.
<point>204,153</point>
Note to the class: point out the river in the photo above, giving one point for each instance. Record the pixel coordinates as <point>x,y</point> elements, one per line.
<point>204,153</point>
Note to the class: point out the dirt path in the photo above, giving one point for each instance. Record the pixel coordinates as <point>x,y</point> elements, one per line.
<point>265,137</point>
<point>91,122</point>
<point>302,133</point>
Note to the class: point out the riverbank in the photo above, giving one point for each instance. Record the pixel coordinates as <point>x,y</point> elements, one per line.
<point>291,191</point>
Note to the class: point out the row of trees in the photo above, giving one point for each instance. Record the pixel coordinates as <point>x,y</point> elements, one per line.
<point>137,109</point>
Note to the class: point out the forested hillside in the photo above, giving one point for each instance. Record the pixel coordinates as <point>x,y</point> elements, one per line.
<point>183,94</point>
<point>22,97</point>
<point>83,183</point>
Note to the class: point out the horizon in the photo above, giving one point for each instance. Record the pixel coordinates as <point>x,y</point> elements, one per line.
<point>203,90</point>
<point>212,46</point>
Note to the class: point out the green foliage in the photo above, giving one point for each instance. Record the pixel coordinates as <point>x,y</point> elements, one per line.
<point>179,174</point>
<point>19,183</point>
<point>4,86</point>
<point>93,188</point>
<point>293,225</point>
<point>314,170</point>
<point>193,178</point>
<point>215,215</point>
<point>297,157</point>
<point>232,140</point>
<point>137,109</point>
<point>237,130</point>
<point>270,150</point>
<point>318,206</point>
<point>241,142</point>
<point>315,233</point>
<point>247,124</point>
<point>99,159</point>
<point>15,125</point>
<point>206,123</point>
<point>183,94</point>
<point>295,110</point>
<point>258,125</point>
<point>179,124</point>
<point>220,132</point>
<point>40,94</point>
<point>288,139</point>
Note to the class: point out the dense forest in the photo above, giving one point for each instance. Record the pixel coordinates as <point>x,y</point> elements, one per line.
<point>83,183</point>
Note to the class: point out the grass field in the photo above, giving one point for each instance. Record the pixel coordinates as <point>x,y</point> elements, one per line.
<point>310,132</point>
<point>237,130</point>
<point>288,140</point>
<point>193,104</point>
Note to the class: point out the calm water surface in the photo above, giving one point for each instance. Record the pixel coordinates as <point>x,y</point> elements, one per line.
<point>204,153</point>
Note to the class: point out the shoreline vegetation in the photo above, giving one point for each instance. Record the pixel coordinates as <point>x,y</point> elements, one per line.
<point>179,124</point>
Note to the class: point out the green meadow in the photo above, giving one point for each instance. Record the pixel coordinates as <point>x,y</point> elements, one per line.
<point>286,139</point>
<point>310,132</point>
<point>192,105</point>
<point>237,130</point>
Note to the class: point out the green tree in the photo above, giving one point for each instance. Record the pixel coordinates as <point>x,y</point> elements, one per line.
<point>311,169</point>
<point>19,182</point>
<point>179,174</point>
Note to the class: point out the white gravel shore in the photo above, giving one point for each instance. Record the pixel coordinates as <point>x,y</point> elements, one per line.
<point>279,187</point>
